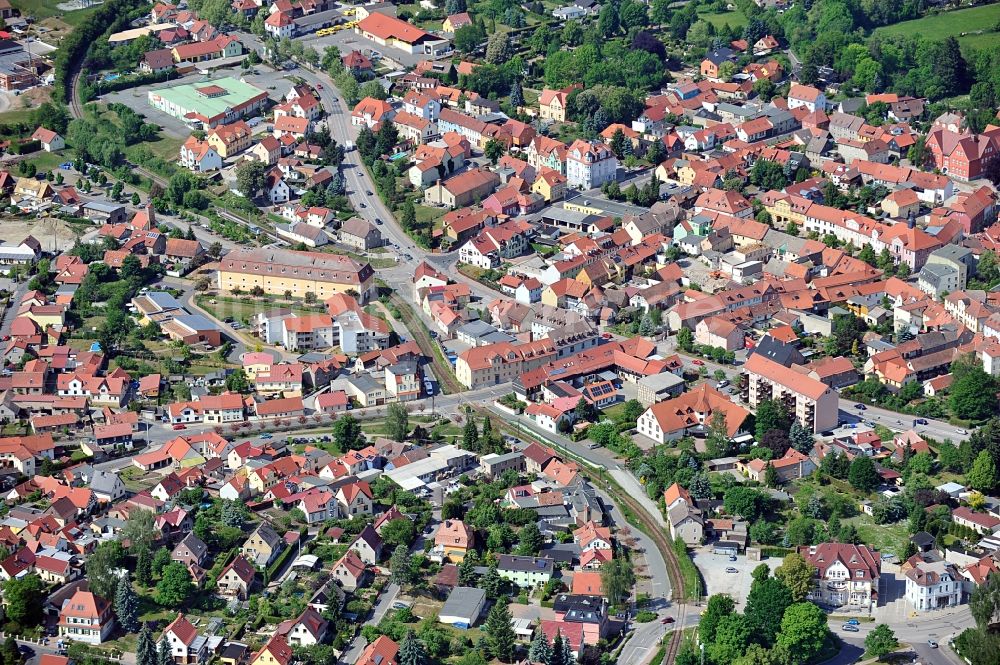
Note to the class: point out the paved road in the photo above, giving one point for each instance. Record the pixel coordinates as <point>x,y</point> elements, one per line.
<point>646,637</point>
<point>937,429</point>
<point>359,184</point>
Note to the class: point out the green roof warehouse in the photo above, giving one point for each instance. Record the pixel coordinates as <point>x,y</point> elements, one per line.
<point>209,103</point>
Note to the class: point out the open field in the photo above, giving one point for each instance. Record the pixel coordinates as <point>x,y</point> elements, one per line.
<point>735,19</point>
<point>888,538</point>
<point>954,24</point>
<point>49,9</point>
<point>53,234</point>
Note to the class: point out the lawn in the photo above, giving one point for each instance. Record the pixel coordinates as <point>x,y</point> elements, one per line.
<point>735,19</point>
<point>888,538</point>
<point>426,215</point>
<point>241,310</point>
<point>954,24</point>
<point>42,9</point>
<point>47,161</point>
<point>15,116</point>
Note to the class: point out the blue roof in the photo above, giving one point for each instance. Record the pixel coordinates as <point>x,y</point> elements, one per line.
<point>196,322</point>
<point>163,300</point>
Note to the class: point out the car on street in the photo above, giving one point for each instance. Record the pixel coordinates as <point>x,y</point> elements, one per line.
<point>850,628</point>
<point>932,644</point>
<point>25,650</point>
<point>667,620</point>
<point>319,86</point>
<point>362,205</point>
<point>265,437</point>
<point>920,421</point>
<point>378,222</point>
<point>860,407</point>
<point>730,569</point>
<point>180,426</point>
<point>732,557</point>
<point>697,362</point>
<point>606,335</point>
<point>963,431</point>
<point>852,622</point>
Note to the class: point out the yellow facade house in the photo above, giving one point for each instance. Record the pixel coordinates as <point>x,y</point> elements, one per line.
<point>277,271</point>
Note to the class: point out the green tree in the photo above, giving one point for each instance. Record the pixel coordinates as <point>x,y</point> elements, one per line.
<point>539,651</point>
<point>972,392</point>
<point>144,568</point>
<point>880,641</point>
<point>685,339</point>
<point>617,579</point>
<point>498,48</point>
<point>175,587</point>
<point>499,634</point>
<point>237,382</point>
<point>161,559</point>
<point>470,435</point>
<point>347,434</point>
<point>766,605</point>
<point>530,540</point>
<point>732,637</point>
<point>796,574</point>
<point>804,630</point>
<point>127,605</point>
<point>800,438</point>
<point>251,177</point>
<point>24,600</point>
<point>719,606</point>
<point>748,503</point>
<point>101,567</point>
<point>863,475</point>
<point>163,654</point>
<point>397,422</point>
<point>401,566</point>
<point>983,475</point>
<point>400,531</point>
<point>491,581</point>
<point>411,650</point>
<point>145,647</point>
<point>494,150</point>
<point>771,415</point>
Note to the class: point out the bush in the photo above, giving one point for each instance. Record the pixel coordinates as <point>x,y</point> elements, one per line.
<point>645,616</point>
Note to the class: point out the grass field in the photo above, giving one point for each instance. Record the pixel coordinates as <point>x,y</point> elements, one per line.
<point>15,116</point>
<point>735,19</point>
<point>888,538</point>
<point>43,9</point>
<point>953,24</point>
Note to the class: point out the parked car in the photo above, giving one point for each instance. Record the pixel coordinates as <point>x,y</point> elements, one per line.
<point>920,421</point>
<point>850,628</point>
<point>732,557</point>
<point>852,622</point>
<point>698,362</point>
<point>180,426</point>
<point>860,407</point>
<point>265,437</point>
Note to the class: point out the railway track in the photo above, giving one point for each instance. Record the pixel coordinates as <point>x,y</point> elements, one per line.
<point>678,594</point>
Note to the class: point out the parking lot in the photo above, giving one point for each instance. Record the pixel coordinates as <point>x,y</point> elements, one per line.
<point>348,40</point>
<point>274,83</point>
<point>717,580</point>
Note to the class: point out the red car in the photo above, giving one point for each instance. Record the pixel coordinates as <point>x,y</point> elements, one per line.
<point>179,426</point>
<point>667,620</point>
<point>697,362</point>
<point>606,335</point>
<point>319,86</point>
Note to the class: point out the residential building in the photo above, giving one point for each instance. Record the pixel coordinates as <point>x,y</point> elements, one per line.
<point>277,271</point>
<point>812,403</point>
<point>590,164</point>
<point>846,575</point>
<point>86,617</point>
<point>932,585</point>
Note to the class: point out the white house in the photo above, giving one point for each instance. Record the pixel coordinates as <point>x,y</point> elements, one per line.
<point>276,188</point>
<point>199,156</point>
<point>932,585</point>
<point>590,164</point>
<point>807,96</point>
<point>50,140</point>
